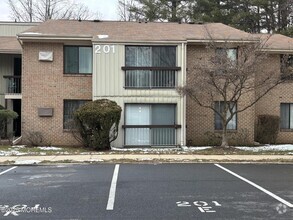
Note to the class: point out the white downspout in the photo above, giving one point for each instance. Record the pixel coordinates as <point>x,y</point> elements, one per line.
<point>183,99</point>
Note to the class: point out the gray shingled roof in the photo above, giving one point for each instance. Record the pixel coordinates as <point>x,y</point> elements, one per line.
<point>277,42</point>
<point>9,45</point>
<point>119,31</point>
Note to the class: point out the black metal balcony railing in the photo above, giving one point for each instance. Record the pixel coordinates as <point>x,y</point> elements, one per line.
<point>150,77</point>
<point>13,84</point>
<point>153,135</point>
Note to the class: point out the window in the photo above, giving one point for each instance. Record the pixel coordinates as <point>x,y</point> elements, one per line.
<point>70,106</point>
<point>150,124</point>
<point>150,67</point>
<point>286,67</point>
<point>232,124</point>
<point>230,53</point>
<point>286,116</point>
<point>78,60</point>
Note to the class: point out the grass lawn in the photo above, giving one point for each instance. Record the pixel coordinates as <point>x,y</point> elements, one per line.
<point>22,150</point>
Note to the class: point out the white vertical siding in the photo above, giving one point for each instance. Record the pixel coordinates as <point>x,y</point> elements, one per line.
<point>108,82</point>
<point>12,28</point>
<point>6,69</point>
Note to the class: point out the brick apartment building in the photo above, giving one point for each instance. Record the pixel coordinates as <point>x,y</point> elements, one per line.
<point>10,69</point>
<point>138,65</point>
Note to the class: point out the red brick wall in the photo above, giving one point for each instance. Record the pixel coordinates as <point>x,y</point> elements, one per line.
<point>201,120</point>
<point>270,104</point>
<point>45,85</point>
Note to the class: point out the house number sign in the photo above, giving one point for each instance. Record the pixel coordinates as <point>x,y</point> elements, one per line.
<point>99,49</point>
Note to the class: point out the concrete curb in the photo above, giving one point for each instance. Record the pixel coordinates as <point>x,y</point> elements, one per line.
<point>145,158</point>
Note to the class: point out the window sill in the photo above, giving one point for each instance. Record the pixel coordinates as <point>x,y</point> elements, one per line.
<point>148,88</point>
<point>286,130</point>
<point>77,75</point>
<point>228,131</point>
<point>69,130</point>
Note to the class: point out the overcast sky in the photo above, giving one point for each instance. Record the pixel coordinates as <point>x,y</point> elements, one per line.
<point>107,9</point>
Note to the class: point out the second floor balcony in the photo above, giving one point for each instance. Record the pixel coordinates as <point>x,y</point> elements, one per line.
<point>13,87</point>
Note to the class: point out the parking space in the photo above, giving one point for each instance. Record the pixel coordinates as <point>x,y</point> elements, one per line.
<point>186,191</point>
<point>275,178</point>
<point>71,192</point>
<point>146,191</point>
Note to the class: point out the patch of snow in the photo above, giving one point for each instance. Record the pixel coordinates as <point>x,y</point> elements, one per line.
<point>49,148</point>
<point>281,147</point>
<point>31,33</point>
<point>180,150</point>
<point>102,36</point>
<point>146,150</point>
<point>18,146</point>
<point>85,153</point>
<point>184,148</point>
<point>26,162</point>
<point>145,159</point>
<point>96,160</point>
<point>11,153</point>
<point>196,148</point>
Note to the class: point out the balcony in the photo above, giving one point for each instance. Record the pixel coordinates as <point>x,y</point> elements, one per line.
<point>150,77</point>
<point>13,87</point>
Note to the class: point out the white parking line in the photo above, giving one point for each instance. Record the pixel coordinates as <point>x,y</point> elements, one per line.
<point>257,186</point>
<point>111,200</point>
<point>5,171</point>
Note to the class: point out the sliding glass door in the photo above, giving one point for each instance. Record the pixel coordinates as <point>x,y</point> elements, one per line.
<point>150,124</point>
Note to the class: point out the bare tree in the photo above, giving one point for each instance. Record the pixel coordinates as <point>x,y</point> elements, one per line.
<point>230,76</point>
<point>42,10</point>
<point>123,10</point>
<point>154,10</point>
<point>21,10</point>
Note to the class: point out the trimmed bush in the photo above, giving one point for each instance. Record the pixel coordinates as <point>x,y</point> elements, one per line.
<point>97,123</point>
<point>267,129</point>
<point>6,116</point>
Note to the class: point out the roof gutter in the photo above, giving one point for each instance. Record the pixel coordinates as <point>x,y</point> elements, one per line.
<point>145,42</point>
<point>37,37</point>
<point>287,51</point>
<point>2,51</point>
<point>221,41</point>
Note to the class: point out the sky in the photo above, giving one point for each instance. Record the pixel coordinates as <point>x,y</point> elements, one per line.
<point>106,8</point>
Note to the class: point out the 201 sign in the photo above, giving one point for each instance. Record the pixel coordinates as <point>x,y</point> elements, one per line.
<point>104,49</point>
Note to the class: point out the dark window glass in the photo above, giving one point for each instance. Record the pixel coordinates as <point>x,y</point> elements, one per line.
<point>154,124</point>
<point>230,53</point>
<point>78,60</point>
<point>286,116</point>
<point>286,66</point>
<point>70,106</point>
<point>232,125</point>
<point>158,57</point>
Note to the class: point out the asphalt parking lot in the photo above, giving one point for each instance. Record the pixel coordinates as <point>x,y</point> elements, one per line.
<point>147,191</point>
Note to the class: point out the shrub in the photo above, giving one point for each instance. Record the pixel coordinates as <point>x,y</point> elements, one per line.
<point>212,138</point>
<point>35,138</point>
<point>6,116</point>
<point>97,123</point>
<point>267,129</point>
<point>240,138</point>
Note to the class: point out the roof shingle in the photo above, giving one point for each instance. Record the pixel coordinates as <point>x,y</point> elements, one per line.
<point>9,45</point>
<point>119,31</point>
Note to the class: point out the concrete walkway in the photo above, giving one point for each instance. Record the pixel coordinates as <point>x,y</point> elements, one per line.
<point>124,158</point>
